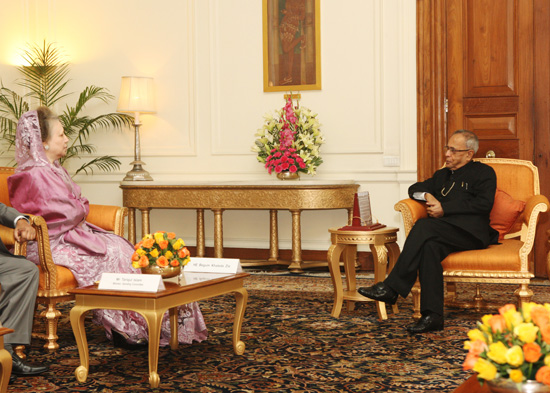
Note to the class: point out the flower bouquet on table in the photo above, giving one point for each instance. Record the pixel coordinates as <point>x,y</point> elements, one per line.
<point>512,347</point>
<point>288,142</point>
<point>160,253</point>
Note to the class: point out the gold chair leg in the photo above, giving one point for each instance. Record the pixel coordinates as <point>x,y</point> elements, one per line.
<point>451,291</point>
<point>479,302</point>
<point>51,316</point>
<point>416,301</point>
<point>524,294</point>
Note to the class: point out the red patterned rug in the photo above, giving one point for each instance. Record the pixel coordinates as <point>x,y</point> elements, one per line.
<point>292,345</point>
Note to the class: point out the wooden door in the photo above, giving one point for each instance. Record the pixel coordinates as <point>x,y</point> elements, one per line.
<point>484,65</point>
<point>490,74</point>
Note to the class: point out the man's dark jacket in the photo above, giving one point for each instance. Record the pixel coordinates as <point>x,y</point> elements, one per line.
<point>466,195</point>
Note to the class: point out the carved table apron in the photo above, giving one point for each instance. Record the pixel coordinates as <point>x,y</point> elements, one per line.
<point>294,196</point>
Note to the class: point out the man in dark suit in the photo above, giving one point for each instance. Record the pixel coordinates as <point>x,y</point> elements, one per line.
<point>459,199</point>
<point>19,284</point>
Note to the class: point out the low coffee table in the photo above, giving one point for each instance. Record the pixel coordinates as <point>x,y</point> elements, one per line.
<point>190,288</point>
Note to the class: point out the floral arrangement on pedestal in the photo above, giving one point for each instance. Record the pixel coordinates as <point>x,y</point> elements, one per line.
<point>160,250</point>
<point>512,345</point>
<point>289,140</point>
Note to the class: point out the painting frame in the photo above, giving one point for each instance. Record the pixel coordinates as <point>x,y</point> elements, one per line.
<point>291,45</point>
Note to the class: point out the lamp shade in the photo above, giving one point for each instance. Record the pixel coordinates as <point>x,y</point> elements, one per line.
<point>136,95</point>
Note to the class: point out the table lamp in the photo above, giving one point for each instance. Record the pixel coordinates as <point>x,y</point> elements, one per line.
<point>136,96</point>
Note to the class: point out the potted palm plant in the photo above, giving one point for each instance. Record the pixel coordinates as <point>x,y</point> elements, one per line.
<point>45,78</point>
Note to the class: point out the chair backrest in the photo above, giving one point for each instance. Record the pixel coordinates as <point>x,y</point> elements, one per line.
<point>5,172</point>
<point>6,234</point>
<point>518,178</point>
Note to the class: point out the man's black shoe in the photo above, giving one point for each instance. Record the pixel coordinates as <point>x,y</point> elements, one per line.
<point>380,292</point>
<point>428,323</point>
<point>19,367</point>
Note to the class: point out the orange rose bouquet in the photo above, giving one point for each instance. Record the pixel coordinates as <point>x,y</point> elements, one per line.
<point>160,249</point>
<point>511,345</point>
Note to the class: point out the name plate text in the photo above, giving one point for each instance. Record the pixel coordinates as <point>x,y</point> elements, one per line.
<point>131,282</point>
<point>214,265</point>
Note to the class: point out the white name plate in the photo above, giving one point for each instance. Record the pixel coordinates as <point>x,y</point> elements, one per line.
<point>192,277</point>
<point>214,265</point>
<point>131,282</point>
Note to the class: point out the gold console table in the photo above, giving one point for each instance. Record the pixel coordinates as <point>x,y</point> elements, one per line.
<point>294,196</point>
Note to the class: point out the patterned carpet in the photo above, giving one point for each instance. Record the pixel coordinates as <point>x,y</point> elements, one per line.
<point>292,345</point>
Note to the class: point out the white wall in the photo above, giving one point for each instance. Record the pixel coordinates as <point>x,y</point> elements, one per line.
<point>206,59</point>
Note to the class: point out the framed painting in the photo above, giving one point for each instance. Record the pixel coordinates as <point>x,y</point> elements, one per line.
<point>291,45</point>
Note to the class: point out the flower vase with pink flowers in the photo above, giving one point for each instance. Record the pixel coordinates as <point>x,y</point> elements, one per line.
<point>288,142</point>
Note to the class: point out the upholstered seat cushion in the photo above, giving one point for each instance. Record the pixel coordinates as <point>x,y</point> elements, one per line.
<point>497,257</point>
<point>65,279</point>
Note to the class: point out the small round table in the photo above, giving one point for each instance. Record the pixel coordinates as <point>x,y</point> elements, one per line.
<point>385,251</point>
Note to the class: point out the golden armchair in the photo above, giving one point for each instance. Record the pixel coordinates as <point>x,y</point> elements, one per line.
<point>55,281</point>
<point>508,262</point>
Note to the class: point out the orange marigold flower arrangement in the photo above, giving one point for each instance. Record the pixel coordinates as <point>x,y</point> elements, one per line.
<point>160,249</point>
<point>512,345</point>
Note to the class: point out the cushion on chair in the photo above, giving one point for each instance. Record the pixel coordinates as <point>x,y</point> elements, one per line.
<point>505,212</point>
<point>497,257</point>
<point>65,279</point>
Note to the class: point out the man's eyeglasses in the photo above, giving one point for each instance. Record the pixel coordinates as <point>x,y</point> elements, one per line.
<point>453,150</point>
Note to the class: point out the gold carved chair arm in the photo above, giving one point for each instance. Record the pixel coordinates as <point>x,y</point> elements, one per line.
<point>44,251</point>
<point>110,218</point>
<point>411,211</point>
<point>535,205</point>
<point>5,361</point>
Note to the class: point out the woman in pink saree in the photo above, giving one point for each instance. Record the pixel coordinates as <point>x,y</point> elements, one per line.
<point>42,187</point>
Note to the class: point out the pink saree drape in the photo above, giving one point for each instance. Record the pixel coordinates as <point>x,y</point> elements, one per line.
<point>44,189</point>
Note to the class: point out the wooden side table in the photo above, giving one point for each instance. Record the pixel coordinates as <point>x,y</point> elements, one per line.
<point>384,249</point>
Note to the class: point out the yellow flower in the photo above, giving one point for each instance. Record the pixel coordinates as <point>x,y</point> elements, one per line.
<point>154,253</point>
<point>178,244</point>
<point>497,352</point>
<point>476,334</point>
<point>135,264</point>
<point>159,237</point>
<point>516,375</point>
<point>140,252</point>
<point>526,309</point>
<point>513,318</point>
<point>527,332</point>
<point>148,236</point>
<point>485,369</point>
<point>168,255</point>
<point>547,360</point>
<point>514,356</point>
<point>485,319</point>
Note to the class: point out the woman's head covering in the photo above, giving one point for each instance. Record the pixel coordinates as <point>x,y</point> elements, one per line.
<point>29,151</point>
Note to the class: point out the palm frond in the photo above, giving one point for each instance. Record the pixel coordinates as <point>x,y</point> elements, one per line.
<point>45,77</point>
<point>45,73</point>
<point>12,106</point>
<point>104,163</point>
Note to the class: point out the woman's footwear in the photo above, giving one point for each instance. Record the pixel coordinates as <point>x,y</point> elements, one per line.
<point>121,340</point>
